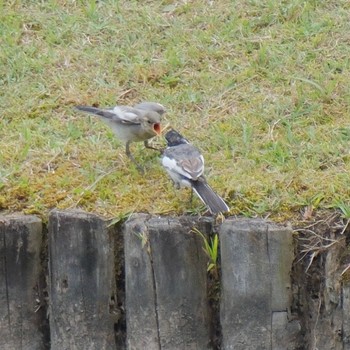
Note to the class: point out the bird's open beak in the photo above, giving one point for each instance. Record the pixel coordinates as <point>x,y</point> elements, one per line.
<point>157,128</point>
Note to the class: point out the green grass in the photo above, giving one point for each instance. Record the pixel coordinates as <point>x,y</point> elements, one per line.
<point>262,88</point>
<point>211,249</point>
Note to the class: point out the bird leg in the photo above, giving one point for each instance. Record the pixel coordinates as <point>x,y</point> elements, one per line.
<point>131,157</point>
<point>191,197</point>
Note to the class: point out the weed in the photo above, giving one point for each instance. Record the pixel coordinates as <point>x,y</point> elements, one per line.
<point>345,210</point>
<point>210,248</point>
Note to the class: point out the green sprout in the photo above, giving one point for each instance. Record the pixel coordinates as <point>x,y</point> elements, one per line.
<point>210,248</point>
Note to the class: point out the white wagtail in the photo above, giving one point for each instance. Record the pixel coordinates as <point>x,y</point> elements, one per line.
<point>131,124</point>
<point>185,165</point>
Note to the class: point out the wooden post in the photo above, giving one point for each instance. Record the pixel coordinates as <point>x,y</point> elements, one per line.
<point>256,260</point>
<point>21,319</point>
<point>82,284</point>
<point>346,315</point>
<point>166,283</point>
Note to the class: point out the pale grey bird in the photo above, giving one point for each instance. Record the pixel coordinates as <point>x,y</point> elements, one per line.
<point>185,165</point>
<point>131,124</point>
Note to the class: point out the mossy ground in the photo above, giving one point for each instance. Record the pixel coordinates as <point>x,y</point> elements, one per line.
<point>262,88</point>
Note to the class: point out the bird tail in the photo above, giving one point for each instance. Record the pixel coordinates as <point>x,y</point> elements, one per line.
<point>212,200</point>
<point>96,111</point>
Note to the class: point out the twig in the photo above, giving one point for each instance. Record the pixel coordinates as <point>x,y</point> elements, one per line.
<point>346,269</point>
<point>345,226</point>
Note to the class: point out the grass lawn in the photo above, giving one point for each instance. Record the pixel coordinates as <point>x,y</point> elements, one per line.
<point>261,87</point>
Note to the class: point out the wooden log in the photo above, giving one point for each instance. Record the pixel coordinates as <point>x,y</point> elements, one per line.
<point>21,322</point>
<point>346,315</point>
<point>166,283</point>
<point>285,331</point>
<point>256,260</point>
<point>140,303</point>
<point>326,312</point>
<point>82,284</point>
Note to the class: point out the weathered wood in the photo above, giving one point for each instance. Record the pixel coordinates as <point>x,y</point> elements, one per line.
<point>346,316</point>
<point>166,284</point>
<point>20,245</point>
<point>256,259</point>
<point>246,287</point>
<point>82,284</point>
<point>325,301</point>
<point>285,332</point>
<point>280,256</point>
<point>140,303</point>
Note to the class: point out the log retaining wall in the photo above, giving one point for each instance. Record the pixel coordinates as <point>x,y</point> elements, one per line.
<point>84,284</point>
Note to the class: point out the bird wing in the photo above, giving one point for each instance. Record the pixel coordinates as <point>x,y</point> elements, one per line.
<point>127,115</point>
<point>118,114</point>
<point>122,114</point>
<point>185,160</point>
<point>193,166</point>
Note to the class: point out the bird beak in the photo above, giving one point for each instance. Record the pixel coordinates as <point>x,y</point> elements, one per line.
<point>157,128</point>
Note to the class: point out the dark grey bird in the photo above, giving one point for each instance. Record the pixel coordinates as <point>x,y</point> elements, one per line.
<point>185,165</point>
<point>131,124</point>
